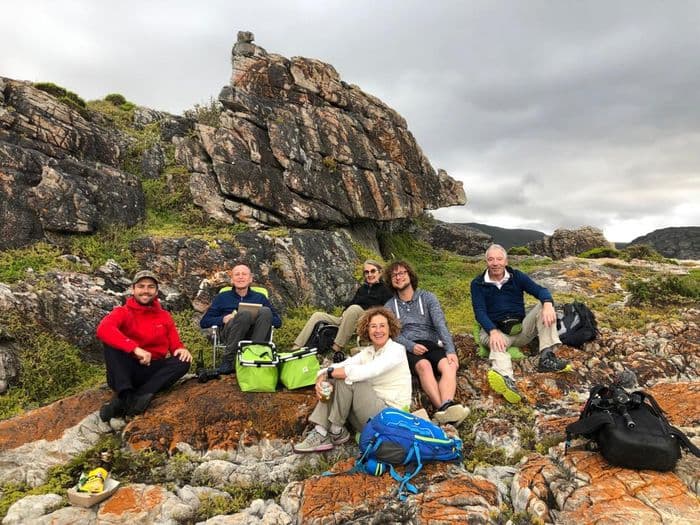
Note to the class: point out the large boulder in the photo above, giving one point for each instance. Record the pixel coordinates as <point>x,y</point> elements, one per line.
<point>459,238</point>
<point>679,243</point>
<point>563,243</point>
<point>59,171</point>
<point>298,146</point>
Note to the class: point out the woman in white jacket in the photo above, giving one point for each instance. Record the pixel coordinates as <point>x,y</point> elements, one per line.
<point>363,385</point>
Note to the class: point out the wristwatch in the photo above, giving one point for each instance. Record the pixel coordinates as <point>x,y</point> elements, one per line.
<point>329,372</point>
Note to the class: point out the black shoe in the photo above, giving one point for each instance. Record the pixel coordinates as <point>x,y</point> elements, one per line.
<point>225,368</point>
<point>115,408</point>
<point>551,363</point>
<point>138,404</point>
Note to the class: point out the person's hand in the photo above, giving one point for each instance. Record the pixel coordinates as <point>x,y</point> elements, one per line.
<point>230,316</point>
<point>497,342</point>
<point>320,379</point>
<point>144,356</point>
<point>549,316</point>
<point>419,349</point>
<point>452,360</point>
<point>183,355</point>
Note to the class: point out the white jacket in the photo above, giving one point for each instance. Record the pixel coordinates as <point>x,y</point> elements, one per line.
<point>386,369</point>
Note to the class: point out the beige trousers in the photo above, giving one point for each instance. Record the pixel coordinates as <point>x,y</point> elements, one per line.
<point>532,327</point>
<point>346,324</point>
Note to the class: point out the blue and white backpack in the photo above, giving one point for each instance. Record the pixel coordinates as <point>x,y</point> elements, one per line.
<point>394,437</point>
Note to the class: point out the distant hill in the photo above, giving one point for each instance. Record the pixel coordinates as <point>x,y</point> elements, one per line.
<point>508,237</point>
<point>680,243</point>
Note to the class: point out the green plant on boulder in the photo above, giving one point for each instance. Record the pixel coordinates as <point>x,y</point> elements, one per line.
<point>208,113</point>
<point>40,258</point>
<point>66,97</point>
<point>115,99</point>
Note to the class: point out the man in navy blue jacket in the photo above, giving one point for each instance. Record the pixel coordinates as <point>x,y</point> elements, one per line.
<point>234,325</point>
<point>498,302</point>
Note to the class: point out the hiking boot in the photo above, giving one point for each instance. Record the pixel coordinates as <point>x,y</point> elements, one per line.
<point>505,386</point>
<point>314,442</point>
<point>551,363</point>
<point>452,413</point>
<point>225,368</point>
<point>341,437</point>
<point>114,408</point>
<point>138,404</point>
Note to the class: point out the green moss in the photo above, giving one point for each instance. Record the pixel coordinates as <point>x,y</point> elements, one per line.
<point>240,498</point>
<point>50,368</point>
<point>40,257</point>
<point>507,516</point>
<point>642,251</point>
<point>122,116</point>
<point>109,243</point>
<point>330,163</point>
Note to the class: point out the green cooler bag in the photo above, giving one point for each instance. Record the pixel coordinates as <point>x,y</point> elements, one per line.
<point>256,367</point>
<point>298,368</point>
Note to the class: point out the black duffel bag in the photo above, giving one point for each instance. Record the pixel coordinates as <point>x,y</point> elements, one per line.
<point>630,430</point>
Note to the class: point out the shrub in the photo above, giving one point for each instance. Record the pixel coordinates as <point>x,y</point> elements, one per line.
<point>115,99</point>
<point>642,251</point>
<point>519,250</point>
<point>208,113</point>
<point>601,252</point>
<point>66,97</point>
<point>665,290</point>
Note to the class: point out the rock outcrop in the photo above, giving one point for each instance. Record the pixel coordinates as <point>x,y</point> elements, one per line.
<point>679,243</point>
<point>292,266</point>
<point>297,146</point>
<point>459,238</point>
<point>59,171</point>
<point>563,243</point>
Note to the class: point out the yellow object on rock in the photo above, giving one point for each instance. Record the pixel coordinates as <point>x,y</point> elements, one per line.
<point>94,483</point>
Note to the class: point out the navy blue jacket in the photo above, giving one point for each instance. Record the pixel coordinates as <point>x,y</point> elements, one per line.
<point>226,302</point>
<point>491,304</point>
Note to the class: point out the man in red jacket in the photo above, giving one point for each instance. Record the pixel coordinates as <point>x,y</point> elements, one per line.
<point>143,352</point>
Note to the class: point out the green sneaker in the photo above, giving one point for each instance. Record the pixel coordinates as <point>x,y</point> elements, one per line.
<point>504,385</point>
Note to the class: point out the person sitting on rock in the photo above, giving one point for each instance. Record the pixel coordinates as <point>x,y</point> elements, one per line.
<point>237,326</point>
<point>373,292</point>
<point>363,385</point>
<point>430,350</point>
<point>498,303</point>
<point>143,352</point>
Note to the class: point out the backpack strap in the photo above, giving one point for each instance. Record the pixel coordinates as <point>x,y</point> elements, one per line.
<point>404,485</point>
<point>680,436</point>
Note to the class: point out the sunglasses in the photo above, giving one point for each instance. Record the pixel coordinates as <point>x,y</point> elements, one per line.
<point>372,271</point>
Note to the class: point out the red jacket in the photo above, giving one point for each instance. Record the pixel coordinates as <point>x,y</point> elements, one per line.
<point>135,325</point>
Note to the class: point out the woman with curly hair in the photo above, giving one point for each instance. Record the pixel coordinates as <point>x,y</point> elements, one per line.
<point>363,385</point>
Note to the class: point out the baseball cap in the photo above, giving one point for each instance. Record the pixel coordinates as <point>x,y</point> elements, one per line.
<point>144,274</point>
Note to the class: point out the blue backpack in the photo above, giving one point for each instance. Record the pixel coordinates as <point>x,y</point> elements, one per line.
<point>394,437</point>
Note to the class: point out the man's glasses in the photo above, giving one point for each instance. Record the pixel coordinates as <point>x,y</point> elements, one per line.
<point>398,274</point>
<point>372,271</point>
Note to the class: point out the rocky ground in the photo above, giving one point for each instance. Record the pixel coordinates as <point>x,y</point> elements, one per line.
<point>515,466</point>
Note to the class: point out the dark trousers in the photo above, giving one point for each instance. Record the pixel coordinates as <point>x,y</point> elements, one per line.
<point>125,375</point>
<point>243,327</point>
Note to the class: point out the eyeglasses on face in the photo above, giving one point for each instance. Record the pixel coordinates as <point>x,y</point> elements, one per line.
<point>398,274</point>
<point>372,271</point>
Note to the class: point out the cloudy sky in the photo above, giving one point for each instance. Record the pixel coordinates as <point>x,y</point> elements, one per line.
<point>553,113</point>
